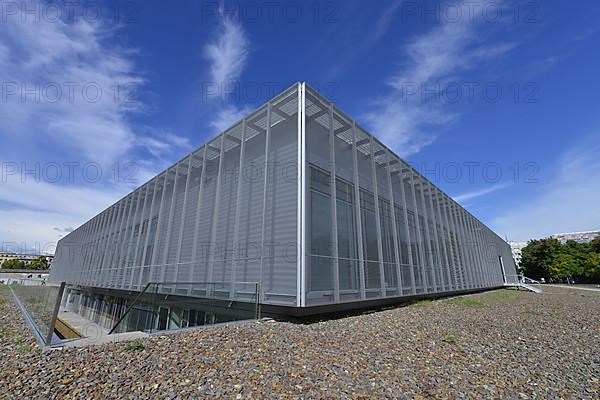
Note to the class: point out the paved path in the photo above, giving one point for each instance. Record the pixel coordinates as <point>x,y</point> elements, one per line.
<point>574,287</point>
<point>92,332</point>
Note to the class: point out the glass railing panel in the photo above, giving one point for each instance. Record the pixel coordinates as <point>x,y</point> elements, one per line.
<point>172,306</point>
<point>41,303</point>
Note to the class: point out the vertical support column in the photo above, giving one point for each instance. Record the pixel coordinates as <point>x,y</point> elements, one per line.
<point>394,222</point>
<point>82,249</point>
<point>334,231</point>
<point>443,224</point>
<point>85,249</point>
<point>116,261</point>
<point>188,178</point>
<point>159,224</point>
<point>238,206</point>
<point>105,217</point>
<point>195,257</point>
<point>483,251</point>
<point>428,234</point>
<point>107,243</point>
<point>460,248</point>
<point>456,245</point>
<point>91,232</point>
<point>419,243</point>
<point>115,258</point>
<point>484,238</point>
<point>170,223</point>
<point>377,216</point>
<point>477,249</point>
<point>466,258</point>
<point>128,236</point>
<point>147,238</point>
<point>264,210</point>
<point>469,247</point>
<point>87,234</point>
<point>434,221</point>
<point>301,272</point>
<point>134,265</point>
<point>407,231</point>
<point>216,209</point>
<point>357,208</point>
<point>484,254</point>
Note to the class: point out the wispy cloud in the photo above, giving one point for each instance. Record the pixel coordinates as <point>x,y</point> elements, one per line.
<point>377,30</point>
<point>69,72</point>
<point>68,96</point>
<point>406,121</point>
<point>32,210</point>
<point>568,203</point>
<point>481,192</point>
<point>228,115</point>
<point>227,55</point>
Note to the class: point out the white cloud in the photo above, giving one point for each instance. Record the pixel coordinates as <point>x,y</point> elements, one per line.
<point>568,203</point>
<point>227,55</point>
<point>401,117</point>
<point>228,115</point>
<point>42,212</point>
<point>71,72</point>
<point>481,192</point>
<point>31,230</point>
<point>164,145</point>
<point>61,122</point>
<point>228,52</point>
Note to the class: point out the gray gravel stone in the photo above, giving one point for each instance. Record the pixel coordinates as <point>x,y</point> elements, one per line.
<point>502,344</point>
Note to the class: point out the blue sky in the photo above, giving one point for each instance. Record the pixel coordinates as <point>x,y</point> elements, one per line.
<point>494,101</point>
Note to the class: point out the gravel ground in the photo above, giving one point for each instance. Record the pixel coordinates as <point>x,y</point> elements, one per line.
<point>503,344</point>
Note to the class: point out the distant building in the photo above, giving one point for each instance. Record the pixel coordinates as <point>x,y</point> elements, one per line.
<point>26,258</point>
<point>516,248</point>
<point>23,277</point>
<point>579,237</point>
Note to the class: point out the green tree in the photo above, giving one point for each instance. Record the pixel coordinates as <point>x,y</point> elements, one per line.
<point>40,263</point>
<point>538,256</point>
<point>565,266</point>
<point>594,245</point>
<point>592,267</point>
<point>13,264</point>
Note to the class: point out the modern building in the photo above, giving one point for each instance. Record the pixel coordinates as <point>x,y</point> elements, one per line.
<point>516,249</point>
<point>26,258</point>
<point>23,277</point>
<point>579,237</point>
<point>296,198</point>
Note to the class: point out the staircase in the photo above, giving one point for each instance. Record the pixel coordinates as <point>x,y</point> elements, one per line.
<point>523,282</point>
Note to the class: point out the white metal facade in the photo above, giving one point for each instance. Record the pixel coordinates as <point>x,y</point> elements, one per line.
<point>273,200</point>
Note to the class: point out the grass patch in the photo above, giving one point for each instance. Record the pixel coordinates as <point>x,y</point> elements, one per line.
<point>423,303</point>
<point>18,341</point>
<point>135,346</point>
<point>501,296</point>
<point>467,302</point>
<point>450,337</point>
<point>26,348</point>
